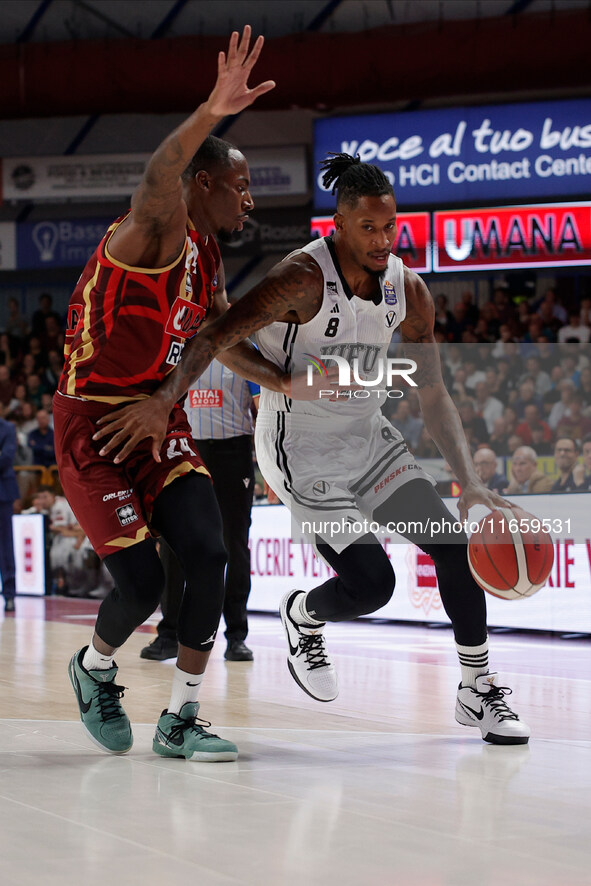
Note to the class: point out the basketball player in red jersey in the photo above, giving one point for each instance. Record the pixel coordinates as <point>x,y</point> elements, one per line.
<point>153,280</point>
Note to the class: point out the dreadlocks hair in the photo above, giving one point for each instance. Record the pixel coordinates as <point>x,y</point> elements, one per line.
<point>212,153</point>
<point>352,179</point>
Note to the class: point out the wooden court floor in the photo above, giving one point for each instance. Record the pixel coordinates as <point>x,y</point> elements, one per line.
<point>379,787</point>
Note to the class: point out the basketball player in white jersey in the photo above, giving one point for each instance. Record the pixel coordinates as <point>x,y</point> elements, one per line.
<point>336,457</point>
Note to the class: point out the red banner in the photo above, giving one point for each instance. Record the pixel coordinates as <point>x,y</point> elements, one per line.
<point>413,239</point>
<point>555,234</point>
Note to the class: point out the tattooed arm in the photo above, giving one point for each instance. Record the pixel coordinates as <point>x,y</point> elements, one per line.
<point>291,292</point>
<point>153,234</point>
<point>247,361</point>
<point>440,415</point>
<point>243,358</point>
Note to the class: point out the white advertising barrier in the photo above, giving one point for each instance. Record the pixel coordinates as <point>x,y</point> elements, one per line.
<point>56,178</point>
<point>280,170</point>
<point>277,170</point>
<point>279,564</point>
<point>29,553</point>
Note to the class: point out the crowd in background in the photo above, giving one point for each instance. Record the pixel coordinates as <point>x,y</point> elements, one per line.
<point>520,374</point>
<point>31,359</point>
<point>519,371</point>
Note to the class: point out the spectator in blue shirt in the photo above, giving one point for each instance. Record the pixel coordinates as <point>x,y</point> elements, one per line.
<point>8,494</point>
<point>40,441</point>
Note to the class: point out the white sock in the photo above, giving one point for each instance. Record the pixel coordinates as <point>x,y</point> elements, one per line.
<point>300,614</point>
<point>473,662</point>
<point>96,661</point>
<point>185,687</point>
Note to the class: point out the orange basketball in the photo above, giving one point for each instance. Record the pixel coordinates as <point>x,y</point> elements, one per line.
<point>511,554</point>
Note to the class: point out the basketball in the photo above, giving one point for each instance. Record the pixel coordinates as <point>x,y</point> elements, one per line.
<point>511,554</point>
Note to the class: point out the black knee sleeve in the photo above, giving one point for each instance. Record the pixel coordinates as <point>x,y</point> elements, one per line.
<point>203,600</point>
<point>365,582</point>
<point>188,516</point>
<point>463,599</point>
<point>139,581</point>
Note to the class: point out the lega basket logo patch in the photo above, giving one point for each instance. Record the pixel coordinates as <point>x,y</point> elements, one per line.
<point>390,293</point>
<point>320,487</point>
<point>127,515</point>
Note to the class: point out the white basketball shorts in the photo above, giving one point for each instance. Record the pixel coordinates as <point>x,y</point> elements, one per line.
<point>333,476</point>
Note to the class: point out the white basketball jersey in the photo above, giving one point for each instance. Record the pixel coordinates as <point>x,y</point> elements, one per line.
<point>346,326</point>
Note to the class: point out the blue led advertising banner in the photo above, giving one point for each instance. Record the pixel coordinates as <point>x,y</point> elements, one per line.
<point>63,243</point>
<point>464,155</point>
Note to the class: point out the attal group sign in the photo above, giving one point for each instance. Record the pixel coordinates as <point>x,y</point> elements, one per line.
<point>463,155</point>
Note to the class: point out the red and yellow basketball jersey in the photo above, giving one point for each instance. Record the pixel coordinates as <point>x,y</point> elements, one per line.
<point>127,326</point>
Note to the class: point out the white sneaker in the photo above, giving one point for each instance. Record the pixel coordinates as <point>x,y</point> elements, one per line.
<point>307,658</point>
<point>486,708</point>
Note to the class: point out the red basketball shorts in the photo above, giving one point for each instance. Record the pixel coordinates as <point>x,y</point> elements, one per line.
<point>113,503</point>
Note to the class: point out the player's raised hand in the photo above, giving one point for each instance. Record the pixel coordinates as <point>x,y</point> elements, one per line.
<point>231,93</point>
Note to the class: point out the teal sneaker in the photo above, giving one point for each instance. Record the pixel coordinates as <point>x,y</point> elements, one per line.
<point>179,735</point>
<point>101,713</point>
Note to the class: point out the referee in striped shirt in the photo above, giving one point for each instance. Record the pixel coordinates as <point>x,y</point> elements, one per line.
<point>221,407</point>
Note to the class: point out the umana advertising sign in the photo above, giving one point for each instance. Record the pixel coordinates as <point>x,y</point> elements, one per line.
<point>463,155</point>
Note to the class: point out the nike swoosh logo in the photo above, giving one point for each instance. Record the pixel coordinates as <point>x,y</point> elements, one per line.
<point>84,707</point>
<point>167,740</point>
<point>478,714</point>
<point>293,649</point>
<point>192,684</point>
